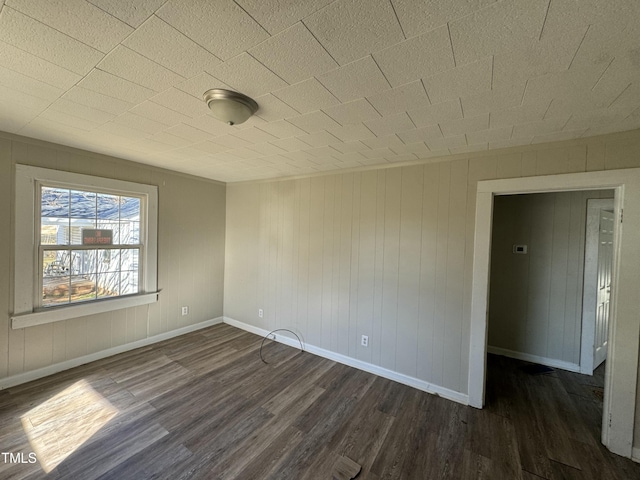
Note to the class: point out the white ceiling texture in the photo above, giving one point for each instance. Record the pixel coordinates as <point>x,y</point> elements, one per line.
<point>340,84</point>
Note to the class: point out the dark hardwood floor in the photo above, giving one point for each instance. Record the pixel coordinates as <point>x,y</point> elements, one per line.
<point>204,406</point>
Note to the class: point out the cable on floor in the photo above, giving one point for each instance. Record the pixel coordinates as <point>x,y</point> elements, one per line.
<point>271,333</point>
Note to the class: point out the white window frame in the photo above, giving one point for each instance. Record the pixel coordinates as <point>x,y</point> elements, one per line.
<point>27,270</point>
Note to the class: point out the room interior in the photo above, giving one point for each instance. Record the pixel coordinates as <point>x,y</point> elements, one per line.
<point>345,208</point>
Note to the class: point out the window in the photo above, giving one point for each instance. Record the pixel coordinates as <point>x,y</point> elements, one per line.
<point>73,223</point>
<point>83,245</point>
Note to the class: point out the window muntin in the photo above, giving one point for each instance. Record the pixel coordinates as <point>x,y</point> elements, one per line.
<point>71,272</point>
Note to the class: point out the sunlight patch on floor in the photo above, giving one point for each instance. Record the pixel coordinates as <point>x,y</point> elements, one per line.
<point>59,426</point>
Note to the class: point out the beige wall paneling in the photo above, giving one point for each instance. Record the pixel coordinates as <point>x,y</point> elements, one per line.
<point>572,333</point>
<point>363,322</point>
<point>345,261</point>
<point>328,256</point>
<point>440,260</point>
<point>377,320</point>
<point>6,245</point>
<point>354,271</point>
<point>541,235</point>
<point>455,373</point>
<point>391,265</point>
<point>409,270</point>
<point>558,284</point>
<point>428,271</point>
<point>336,243</point>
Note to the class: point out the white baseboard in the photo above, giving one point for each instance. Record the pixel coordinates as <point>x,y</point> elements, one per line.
<point>92,357</point>
<point>527,357</point>
<point>359,364</point>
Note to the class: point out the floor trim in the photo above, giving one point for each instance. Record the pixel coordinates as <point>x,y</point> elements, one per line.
<point>25,377</point>
<point>527,357</point>
<point>352,362</point>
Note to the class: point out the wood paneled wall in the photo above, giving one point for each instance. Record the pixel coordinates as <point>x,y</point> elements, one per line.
<point>536,299</point>
<point>378,253</point>
<point>190,259</point>
<point>386,253</point>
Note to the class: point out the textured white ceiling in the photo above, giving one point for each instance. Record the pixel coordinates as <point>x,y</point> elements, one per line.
<point>340,84</point>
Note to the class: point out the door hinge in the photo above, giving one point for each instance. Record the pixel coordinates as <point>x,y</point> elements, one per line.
<point>621,214</point>
<point>610,420</point>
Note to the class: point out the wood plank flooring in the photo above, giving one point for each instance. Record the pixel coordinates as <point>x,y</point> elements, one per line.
<point>203,406</point>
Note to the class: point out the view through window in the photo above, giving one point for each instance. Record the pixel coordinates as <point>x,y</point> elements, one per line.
<point>90,245</point>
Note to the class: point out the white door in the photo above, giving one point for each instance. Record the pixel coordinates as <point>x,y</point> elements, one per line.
<point>605,262</point>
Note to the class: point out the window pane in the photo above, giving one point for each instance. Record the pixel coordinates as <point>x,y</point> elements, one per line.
<point>108,284</point>
<point>128,282</point>
<point>130,233</point>
<point>108,261</point>
<point>50,234</point>
<point>83,205</point>
<point>83,288</point>
<point>83,262</point>
<point>54,202</point>
<point>129,208</point>
<point>129,259</point>
<point>108,206</point>
<point>55,281</point>
<point>113,226</point>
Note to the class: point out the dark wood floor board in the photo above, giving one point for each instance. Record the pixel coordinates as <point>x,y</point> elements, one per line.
<point>261,438</point>
<point>421,457</point>
<point>564,407</point>
<point>155,461</point>
<point>154,383</point>
<point>476,467</point>
<point>334,413</point>
<point>306,381</point>
<point>205,406</point>
<point>388,464</point>
<point>203,346</point>
<point>391,402</point>
<point>502,449</point>
<point>335,396</point>
<point>96,458</point>
<point>450,441</point>
<point>270,460</point>
<point>362,435</point>
<point>130,357</point>
<point>225,363</point>
<point>213,448</point>
<point>553,428</point>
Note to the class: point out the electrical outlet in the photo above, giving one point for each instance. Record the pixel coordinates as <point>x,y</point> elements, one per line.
<point>272,336</point>
<point>185,311</point>
<point>365,341</point>
<point>260,313</point>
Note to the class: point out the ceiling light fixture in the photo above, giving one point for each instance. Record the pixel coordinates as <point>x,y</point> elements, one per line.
<point>230,107</point>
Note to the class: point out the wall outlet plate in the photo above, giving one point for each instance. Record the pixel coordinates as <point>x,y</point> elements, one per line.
<point>364,341</point>
<point>260,313</point>
<point>185,311</point>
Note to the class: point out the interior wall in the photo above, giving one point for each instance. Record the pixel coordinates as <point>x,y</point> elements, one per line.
<point>191,216</point>
<point>386,253</point>
<point>535,304</point>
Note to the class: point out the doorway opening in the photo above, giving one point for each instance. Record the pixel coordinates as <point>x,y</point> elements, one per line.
<point>621,367</point>
<point>535,313</point>
<point>539,310</point>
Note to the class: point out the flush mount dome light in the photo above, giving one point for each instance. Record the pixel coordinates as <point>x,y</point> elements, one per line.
<point>230,107</point>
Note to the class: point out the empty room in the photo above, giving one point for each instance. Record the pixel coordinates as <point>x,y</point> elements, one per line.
<point>319,239</point>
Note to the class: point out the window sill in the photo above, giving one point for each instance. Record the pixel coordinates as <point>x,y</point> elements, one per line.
<point>57,314</point>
